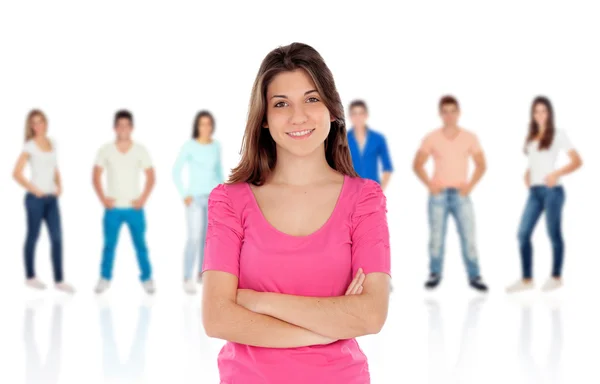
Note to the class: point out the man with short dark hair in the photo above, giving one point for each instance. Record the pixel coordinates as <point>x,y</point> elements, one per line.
<point>123,161</point>
<point>449,190</point>
<point>368,148</point>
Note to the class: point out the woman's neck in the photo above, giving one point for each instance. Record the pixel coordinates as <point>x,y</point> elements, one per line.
<point>204,140</point>
<point>299,171</point>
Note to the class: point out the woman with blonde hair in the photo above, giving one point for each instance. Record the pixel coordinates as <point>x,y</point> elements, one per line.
<point>41,199</point>
<point>297,257</point>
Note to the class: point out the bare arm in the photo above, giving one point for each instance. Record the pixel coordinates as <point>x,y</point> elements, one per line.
<point>97,181</point>
<point>480,168</point>
<point>385,179</point>
<point>58,181</point>
<point>419,168</point>
<point>342,317</point>
<point>224,319</point>
<point>527,177</point>
<point>20,178</point>
<point>573,165</point>
<point>150,181</point>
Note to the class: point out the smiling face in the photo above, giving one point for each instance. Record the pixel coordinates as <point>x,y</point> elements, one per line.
<point>38,125</point>
<point>123,128</point>
<point>297,118</point>
<point>449,113</point>
<point>540,114</point>
<point>205,127</point>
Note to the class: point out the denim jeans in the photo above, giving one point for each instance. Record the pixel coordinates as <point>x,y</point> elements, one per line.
<point>450,202</point>
<point>197,223</point>
<point>43,209</point>
<point>551,201</point>
<point>135,220</point>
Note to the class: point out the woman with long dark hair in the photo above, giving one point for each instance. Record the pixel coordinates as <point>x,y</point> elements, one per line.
<point>41,200</point>
<point>297,256</point>
<point>546,192</point>
<point>202,155</point>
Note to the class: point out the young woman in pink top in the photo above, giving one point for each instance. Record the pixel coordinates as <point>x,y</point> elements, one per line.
<point>297,258</point>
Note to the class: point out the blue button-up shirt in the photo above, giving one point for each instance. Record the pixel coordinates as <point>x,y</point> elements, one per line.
<point>375,152</point>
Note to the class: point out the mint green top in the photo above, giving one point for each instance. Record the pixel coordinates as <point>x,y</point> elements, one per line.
<point>204,168</point>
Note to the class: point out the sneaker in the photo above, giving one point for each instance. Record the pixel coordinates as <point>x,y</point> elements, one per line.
<point>64,287</point>
<point>552,284</point>
<point>433,281</point>
<point>189,286</point>
<point>478,284</point>
<point>520,286</point>
<point>102,286</point>
<point>35,284</point>
<point>149,287</point>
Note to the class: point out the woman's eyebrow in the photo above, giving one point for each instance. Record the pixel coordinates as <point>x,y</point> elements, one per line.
<point>285,97</point>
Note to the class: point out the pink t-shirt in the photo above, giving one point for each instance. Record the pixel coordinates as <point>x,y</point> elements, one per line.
<point>242,242</point>
<point>450,156</point>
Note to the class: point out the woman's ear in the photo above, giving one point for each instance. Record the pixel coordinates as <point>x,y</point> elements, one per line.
<point>265,125</point>
<point>332,118</point>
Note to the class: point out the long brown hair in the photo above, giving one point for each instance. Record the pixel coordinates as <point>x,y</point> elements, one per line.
<point>258,151</point>
<point>29,133</point>
<point>534,129</point>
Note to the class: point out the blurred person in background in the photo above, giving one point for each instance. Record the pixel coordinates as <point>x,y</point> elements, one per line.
<point>297,258</point>
<point>449,190</point>
<point>368,148</point>
<point>546,192</point>
<point>202,156</point>
<point>124,160</point>
<point>41,198</point>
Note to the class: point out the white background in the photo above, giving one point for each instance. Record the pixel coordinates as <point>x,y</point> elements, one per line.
<point>80,62</point>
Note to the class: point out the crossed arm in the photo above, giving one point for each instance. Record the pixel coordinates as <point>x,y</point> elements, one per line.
<point>286,321</point>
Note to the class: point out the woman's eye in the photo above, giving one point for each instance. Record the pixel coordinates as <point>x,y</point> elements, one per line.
<point>280,104</point>
<point>313,99</point>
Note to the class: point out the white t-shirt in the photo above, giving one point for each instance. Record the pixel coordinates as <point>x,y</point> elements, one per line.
<point>43,166</point>
<point>543,162</point>
<point>123,171</point>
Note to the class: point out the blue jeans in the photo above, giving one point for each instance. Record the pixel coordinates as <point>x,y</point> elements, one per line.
<point>43,209</point>
<point>135,220</point>
<point>450,202</point>
<point>197,223</point>
<point>550,200</point>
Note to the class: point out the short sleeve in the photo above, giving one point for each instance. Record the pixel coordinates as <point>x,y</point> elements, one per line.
<point>224,234</point>
<point>29,147</point>
<point>101,157</point>
<point>474,146</point>
<point>145,160</point>
<point>426,145</point>
<point>370,232</point>
<point>564,142</point>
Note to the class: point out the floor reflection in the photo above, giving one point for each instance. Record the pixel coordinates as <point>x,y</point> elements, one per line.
<point>549,370</point>
<point>437,372</point>
<point>44,371</point>
<point>132,369</point>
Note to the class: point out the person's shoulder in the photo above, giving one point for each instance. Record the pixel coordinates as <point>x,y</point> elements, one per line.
<point>360,186</point>
<point>472,135</point>
<point>364,195</point>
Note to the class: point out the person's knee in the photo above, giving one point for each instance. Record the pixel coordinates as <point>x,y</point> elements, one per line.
<point>523,236</point>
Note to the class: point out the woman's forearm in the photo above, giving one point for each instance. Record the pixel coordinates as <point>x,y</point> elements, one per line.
<point>572,166</point>
<point>235,323</point>
<point>342,317</point>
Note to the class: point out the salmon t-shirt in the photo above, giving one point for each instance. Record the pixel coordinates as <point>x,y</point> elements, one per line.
<point>242,242</point>
<point>450,156</point>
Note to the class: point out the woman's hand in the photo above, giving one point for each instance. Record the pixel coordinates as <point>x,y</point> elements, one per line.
<point>188,200</point>
<point>355,287</point>
<point>551,180</point>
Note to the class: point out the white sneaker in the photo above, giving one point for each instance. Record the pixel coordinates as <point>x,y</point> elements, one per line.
<point>552,284</point>
<point>35,284</point>
<point>65,288</point>
<point>102,286</point>
<point>520,286</point>
<point>149,287</point>
<point>189,286</point>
